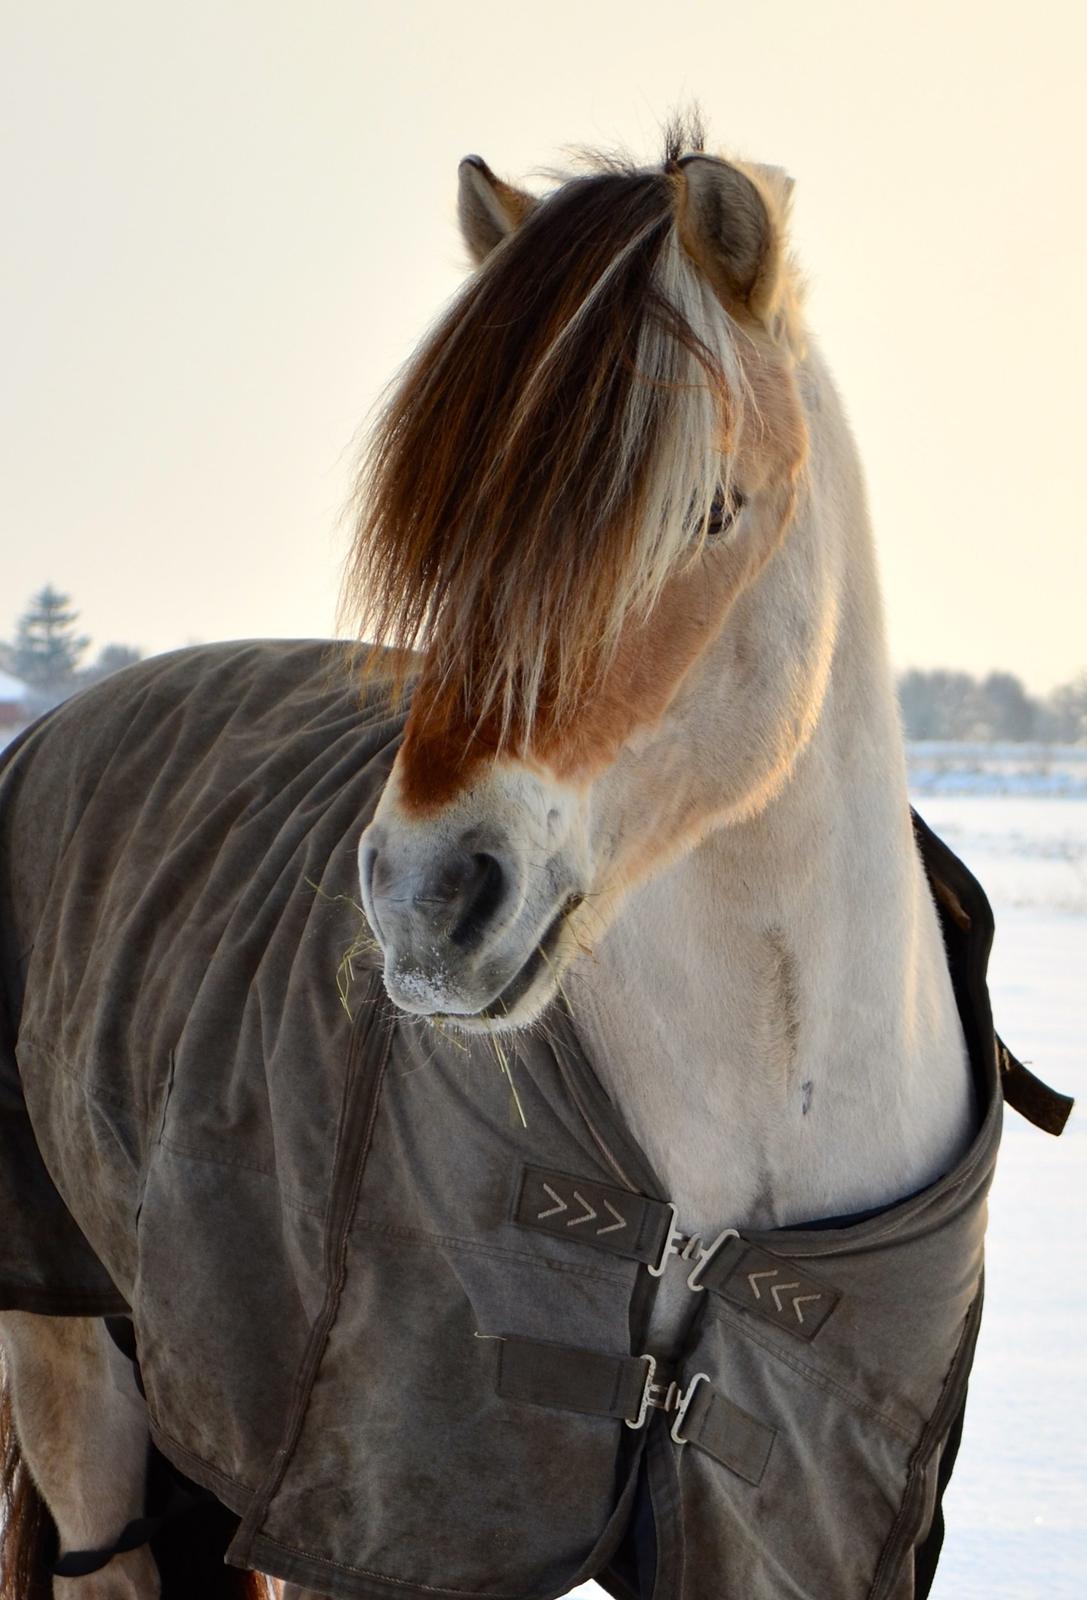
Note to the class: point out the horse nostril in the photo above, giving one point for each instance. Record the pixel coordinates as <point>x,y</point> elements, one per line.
<point>482,894</point>
<point>453,897</point>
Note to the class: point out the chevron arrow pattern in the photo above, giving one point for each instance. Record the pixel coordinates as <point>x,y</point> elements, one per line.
<point>620,1220</point>
<point>799,1300</point>
<point>779,1290</point>
<point>559,1206</point>
<point>588,1212</point>
<point>753,1280</point>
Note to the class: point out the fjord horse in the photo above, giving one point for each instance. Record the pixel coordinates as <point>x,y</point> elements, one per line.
<point>653,758</point>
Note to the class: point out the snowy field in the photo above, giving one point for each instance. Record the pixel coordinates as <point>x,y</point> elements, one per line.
<point>1016,1509</point>
<point>940,767</point>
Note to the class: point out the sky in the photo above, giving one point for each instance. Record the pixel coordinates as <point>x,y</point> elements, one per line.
<point>228,224</point>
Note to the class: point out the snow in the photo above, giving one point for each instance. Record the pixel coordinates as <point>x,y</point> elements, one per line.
<point>12,689</point>
<point>945,768</point>
<point>1016,1509</point>
<point>1017,1506</point>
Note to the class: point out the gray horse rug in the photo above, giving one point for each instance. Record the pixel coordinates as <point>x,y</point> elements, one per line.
<point>391,1296</point>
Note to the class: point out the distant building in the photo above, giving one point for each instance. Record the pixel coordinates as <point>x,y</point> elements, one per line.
<point>14,703</point>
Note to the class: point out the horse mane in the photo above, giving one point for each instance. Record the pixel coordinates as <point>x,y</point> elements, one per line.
<point>551,451</point>
<point>28,1537</point>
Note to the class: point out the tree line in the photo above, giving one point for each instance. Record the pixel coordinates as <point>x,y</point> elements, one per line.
<point>48,654</point>
<point>955,705</point>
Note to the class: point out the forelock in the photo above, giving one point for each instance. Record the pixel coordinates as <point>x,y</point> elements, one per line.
<point>548,455</point>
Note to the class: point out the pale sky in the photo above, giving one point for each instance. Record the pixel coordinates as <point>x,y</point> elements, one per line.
<point>228,221</point>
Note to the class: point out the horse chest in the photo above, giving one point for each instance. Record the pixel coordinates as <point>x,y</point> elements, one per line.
<point>719,1077</point>
<point>783,1059</point>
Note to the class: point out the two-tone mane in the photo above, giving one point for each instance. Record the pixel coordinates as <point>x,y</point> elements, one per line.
<point>557,446</point>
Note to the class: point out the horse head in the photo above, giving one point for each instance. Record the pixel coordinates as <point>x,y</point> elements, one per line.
<point>566,509</point>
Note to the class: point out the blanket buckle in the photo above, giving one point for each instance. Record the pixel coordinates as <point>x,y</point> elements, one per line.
<point>655,1396</point>
<point>685,1405</point>
<point>705,1254</point>
<point>673,1241</point>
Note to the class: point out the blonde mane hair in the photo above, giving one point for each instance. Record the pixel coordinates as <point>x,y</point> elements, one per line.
<point>550,454</point>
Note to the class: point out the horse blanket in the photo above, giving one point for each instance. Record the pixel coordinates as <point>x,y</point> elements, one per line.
<point>398,1330</point>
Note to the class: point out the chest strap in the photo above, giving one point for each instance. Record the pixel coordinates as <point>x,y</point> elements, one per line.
<point>709,1420</point>
<point>568,1379</point>
<point>615,1220</point>
<point>640,1229</point>
<point>778,1291</point>
<point>627,1389</point>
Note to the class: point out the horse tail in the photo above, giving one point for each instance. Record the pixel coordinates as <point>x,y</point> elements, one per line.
<point>28,1538</point>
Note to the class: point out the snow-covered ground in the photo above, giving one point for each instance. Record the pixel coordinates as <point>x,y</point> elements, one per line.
<point>939,767</point>
<point>1017,1505</point>
<point>1016,1509</point>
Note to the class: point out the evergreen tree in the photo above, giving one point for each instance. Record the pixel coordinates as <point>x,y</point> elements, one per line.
<point>47,648</point>
<point>110,659</point>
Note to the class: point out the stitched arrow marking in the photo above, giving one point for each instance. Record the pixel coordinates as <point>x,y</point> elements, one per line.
<point>576,1222</point>
<point>620,1221</point>
<point>799,1300</point>
<point>751,1276</point>
<point>778,1289</point>
<point>560,1204</point>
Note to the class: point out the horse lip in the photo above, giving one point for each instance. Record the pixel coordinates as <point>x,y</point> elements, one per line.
<point>527,973</point>
<point>517,986</point>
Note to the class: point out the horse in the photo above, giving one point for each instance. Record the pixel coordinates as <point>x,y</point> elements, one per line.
<point>640,797</point>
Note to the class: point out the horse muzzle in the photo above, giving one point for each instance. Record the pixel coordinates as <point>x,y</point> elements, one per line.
<point>466,930</point>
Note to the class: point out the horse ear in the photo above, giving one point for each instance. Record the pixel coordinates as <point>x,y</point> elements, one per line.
<point>488,208</point>
<point>732,223</point>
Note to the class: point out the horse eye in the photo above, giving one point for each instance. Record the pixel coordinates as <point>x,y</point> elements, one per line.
<point>723,512</point>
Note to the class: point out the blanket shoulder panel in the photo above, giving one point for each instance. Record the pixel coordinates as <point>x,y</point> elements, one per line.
<point>177,892</point>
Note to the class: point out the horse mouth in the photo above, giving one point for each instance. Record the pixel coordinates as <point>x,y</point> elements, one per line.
<point>504,1004</point>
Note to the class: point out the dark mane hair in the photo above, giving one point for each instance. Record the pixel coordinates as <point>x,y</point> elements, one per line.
<point>548,451</point>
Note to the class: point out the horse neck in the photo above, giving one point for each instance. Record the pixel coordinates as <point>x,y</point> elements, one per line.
<point>773,1015</point>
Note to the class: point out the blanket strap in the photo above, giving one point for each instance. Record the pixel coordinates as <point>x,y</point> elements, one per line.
<point>626,1389</point>
<point>184,1497</point>
<point>569,1379</point>
<point>586,1212</point>
<point>78,1563</point>
<point>769,1287</point>
<point>709,1420</point>
<point>1047,1108</point>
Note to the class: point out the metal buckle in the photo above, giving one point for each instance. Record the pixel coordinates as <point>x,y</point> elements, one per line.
<point>643,1408</point>
<point>685,1404</point>
<point>677,1243</point>
<point>655,1396</point>
<point>670,1246</point>
<point>663,1396</point>
<point>706,1253</point>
